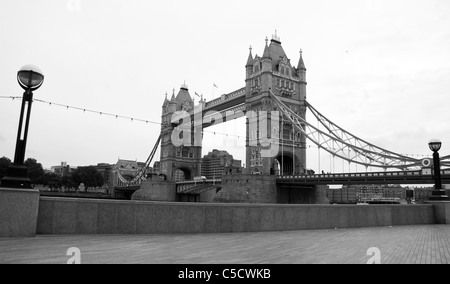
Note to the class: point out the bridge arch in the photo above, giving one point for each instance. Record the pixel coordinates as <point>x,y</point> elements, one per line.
<point>182,174</point>
<point>286,162</point>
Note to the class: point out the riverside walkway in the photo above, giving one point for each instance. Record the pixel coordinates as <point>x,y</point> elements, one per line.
<point>403,244</point>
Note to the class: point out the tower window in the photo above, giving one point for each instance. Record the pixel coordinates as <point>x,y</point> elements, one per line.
<point>282,70</point>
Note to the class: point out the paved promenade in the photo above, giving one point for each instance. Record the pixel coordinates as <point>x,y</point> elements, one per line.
<point>403,244</point>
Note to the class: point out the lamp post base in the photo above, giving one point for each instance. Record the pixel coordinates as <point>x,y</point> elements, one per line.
<point>16,177</point>
<point>439,195</point>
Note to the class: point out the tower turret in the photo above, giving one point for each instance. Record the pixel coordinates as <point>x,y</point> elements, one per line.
<point>249,65</point>
<point>301,73</point>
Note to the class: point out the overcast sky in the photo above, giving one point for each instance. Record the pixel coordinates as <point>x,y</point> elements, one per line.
<point>379,69</point>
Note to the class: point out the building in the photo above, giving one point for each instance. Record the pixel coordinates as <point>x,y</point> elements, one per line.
<point>178,162</point>
<point>62,170</point>
<point>218,163</point>
<point>344,195</point>
<point>370,192</point>
<point>273,73</point>
<point>128,169</point>
<point>106,171</point>
<point>363,193</point>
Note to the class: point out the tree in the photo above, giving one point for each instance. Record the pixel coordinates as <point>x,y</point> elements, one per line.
<point>89,176</point>
<point>51,180</point>
<point>67,181</point>
<point>4,164</point>
<point>35,170</point>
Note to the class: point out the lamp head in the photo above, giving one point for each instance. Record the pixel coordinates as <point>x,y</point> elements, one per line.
<point>435,145</point>
<point>30,77</point>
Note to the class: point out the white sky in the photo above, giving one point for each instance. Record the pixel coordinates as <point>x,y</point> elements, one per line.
<point>379,69</point>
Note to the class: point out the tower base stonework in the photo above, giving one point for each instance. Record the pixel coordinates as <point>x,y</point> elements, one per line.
<point>306,194</point>
<point>247,188</point>
<point>156,190</point>
<point>243,188</point>
<point>18,212</point>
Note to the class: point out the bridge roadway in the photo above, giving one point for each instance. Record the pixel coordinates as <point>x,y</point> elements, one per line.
<point>307,181</point>
<point>401,177</point>
<point>230,106</point>
<point>197,187</point>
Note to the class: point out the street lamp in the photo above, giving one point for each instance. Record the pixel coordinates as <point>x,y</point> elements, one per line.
<point>30,78</point>
<point>438,193</point>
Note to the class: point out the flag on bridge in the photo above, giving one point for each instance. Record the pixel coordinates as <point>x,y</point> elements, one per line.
<point>197,94</point>
<point>215,86</point>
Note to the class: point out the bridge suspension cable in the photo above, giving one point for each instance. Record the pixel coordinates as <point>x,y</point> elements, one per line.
<point>140,176</point>
<point>341,143</point>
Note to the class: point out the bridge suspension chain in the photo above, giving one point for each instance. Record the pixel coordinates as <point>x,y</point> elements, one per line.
<point>343,144</point>
<point>140,176</point>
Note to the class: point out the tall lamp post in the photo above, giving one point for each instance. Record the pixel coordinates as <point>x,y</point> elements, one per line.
<point>438,193</point>
<point>30,78</point>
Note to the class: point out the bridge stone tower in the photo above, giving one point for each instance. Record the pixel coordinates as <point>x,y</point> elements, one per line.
<point>273,71</point>
<point>184,162</point>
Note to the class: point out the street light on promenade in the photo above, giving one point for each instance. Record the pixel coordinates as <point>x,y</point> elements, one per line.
<point>438,193</point>
<point>30,78</point>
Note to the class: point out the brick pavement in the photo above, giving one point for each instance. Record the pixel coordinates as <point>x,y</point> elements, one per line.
<point>403,244</point>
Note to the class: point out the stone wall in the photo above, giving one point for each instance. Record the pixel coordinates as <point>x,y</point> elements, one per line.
<point>18,212</point>
<point>81,216</point>
<point>441,211</point>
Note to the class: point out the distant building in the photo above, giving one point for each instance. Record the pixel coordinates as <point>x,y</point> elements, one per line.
<point>344,195</point>
<point>179,175</point>
<point>367,192</point>
<point>62,170</point>
<point>218,163</point>
<point>106,171</point>
<point>364,193</point>
<point>127,168</point>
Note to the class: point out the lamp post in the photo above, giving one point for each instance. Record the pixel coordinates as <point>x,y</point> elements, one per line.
<point>438,193</point>
<point>30,78</point>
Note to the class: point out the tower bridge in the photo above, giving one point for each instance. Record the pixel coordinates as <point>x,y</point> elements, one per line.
<point>274,103</point>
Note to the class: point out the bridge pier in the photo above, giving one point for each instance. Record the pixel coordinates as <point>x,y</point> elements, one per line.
<point>302,194</point>
<point>244,188</point>
<point>156,190</point>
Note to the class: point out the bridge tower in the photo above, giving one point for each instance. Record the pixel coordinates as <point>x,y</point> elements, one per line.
<point>184,162</point>
<point>273,71</point>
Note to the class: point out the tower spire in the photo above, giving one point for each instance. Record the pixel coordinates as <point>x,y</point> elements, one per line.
<point>301,64</point>
<point>173,95</point>
<point>266,53</point>
<point>250,58</point>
